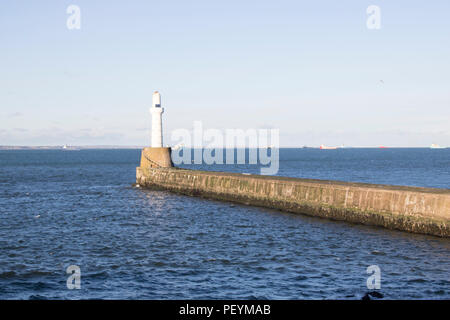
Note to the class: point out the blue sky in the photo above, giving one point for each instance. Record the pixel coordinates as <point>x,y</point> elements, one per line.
<point>310,68</point>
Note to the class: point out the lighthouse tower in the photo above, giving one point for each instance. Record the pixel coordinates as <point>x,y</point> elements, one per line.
<point>156,156</point>
<point>156,111</point>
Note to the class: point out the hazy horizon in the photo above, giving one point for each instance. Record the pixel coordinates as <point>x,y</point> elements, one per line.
<point>125,146</point>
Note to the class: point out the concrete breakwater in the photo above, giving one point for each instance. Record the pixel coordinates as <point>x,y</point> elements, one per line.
<point>418,210</point>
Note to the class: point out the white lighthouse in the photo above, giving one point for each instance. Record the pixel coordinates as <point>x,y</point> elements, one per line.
<point>156,111</point>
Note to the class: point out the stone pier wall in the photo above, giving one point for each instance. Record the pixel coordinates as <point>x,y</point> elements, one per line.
<point>419,210</point>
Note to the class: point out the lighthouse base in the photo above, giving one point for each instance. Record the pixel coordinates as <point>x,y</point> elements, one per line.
<point>156,158</point>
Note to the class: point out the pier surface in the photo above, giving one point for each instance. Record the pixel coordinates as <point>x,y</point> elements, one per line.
<point>412,209</point>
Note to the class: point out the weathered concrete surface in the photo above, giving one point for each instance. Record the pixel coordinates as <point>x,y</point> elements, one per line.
<point>419,210</point>
<point>156,158</point>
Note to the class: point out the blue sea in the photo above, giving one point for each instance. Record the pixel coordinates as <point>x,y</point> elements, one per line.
<point>62,208</point>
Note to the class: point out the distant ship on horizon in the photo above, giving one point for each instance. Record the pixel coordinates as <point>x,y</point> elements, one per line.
<point>324,147</point>
<point>69,148</point>
<point>436,146</point>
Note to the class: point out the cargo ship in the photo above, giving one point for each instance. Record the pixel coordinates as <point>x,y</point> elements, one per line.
<point>324,147</point>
